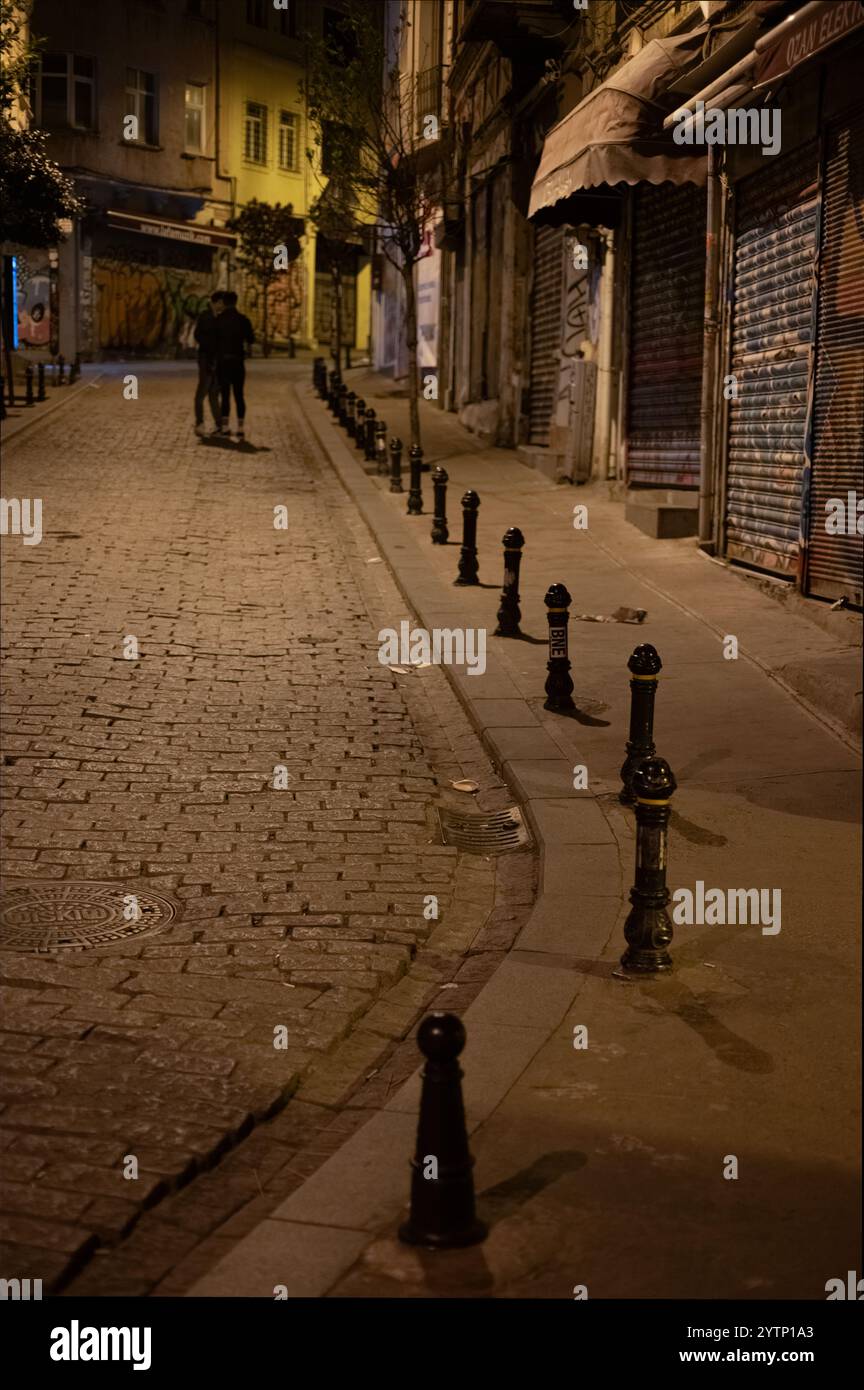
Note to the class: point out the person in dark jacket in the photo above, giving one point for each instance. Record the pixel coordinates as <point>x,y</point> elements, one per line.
<point>208,381</point>
<point>234,336</point>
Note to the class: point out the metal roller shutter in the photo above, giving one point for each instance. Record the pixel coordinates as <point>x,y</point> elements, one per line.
<point>666,306</point>
<point>772,329</point>
<point>545,329</point>
<point>835,561</point>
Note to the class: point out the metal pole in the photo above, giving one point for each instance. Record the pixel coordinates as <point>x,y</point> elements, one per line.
<point>468,566</point>
<point>439,523</point>
<point>710,329</point>
<point>370,435</point>
<point>396,465</point>
<point>648,929</point>
<point>415,493</point>
<point>442,1180</point>
<point>509,613</point>
<point>379,448</point>
<point>559,686</point>
<point>644,667</point>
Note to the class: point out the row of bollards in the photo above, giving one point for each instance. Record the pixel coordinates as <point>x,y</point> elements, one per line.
<point>34,383</point>
<point>442,1211</point>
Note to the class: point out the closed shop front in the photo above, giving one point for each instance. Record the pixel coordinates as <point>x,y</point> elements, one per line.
<point>545,330</point>
<point>773,282</point>
<point>834,560</point>
<point>666,310</point>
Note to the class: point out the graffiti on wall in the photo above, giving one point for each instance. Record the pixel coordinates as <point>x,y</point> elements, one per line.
<point>146,308</point>
<point>34,311</point>
<point>285,303</point>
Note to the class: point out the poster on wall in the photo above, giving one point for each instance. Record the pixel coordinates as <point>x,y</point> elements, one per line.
<point>428,290</point>
<point>34,310</point>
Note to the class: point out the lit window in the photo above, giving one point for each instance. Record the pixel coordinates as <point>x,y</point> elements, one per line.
<point>141,102</point>
<point>194,116</point>
<point>288,141</point>
<point>255,134</point>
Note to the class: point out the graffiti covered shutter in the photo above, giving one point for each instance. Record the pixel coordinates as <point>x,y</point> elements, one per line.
<point>835,560</point>
<point>771,336</point>
<point>666,308</point>
<point>147,292</point>
<point>545,329</point>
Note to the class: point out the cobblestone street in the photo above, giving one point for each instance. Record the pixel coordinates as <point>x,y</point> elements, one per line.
<point>299,907</point>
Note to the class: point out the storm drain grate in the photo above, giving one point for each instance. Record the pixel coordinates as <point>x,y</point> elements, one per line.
<point>79,916</point>
<point>493,834</point>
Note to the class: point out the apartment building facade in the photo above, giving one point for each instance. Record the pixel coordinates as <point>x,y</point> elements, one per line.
<point>170,116</point>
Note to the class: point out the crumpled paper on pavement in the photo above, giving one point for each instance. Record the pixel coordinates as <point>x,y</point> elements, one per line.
<point>621,615</point>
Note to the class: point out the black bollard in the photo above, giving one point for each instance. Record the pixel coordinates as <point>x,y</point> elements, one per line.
<point>350,403</point>
<point>75,369</point>
<point>40,381</point>
<point>61,363</point>
<point>359,422</point>
<point>468,565</point>
<point>370,436</point>
<point>396,464</point>
<point>341,406</point>
<point>380,448</point>
<point>559,686</point>
<point>415,490</point>
<point>28,385</point>
<point>317,364</point>
<point>644,666</point>
<point>332,389</point>
<point>439,522</point>
<point>648,929</point>
<point>442,1180</point>
<point>509,612</point>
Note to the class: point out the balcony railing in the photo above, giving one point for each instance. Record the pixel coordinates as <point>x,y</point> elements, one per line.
<point>422,95</point>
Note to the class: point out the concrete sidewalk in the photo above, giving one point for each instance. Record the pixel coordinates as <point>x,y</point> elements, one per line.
<point>604,1167</point>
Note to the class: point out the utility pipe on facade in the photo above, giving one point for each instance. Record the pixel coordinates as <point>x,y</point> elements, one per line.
<point>742,68</point>
<point>710,329</point>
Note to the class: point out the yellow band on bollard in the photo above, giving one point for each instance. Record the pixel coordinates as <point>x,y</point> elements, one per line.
<point>641,801</point>
<point>644,678</point>
<point>556,610</point>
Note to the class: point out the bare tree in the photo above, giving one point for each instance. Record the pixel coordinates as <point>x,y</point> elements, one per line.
<point>371,134</point>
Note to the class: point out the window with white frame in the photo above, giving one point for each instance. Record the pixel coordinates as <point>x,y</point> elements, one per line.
<point>194,129</point>
<point>255,133</point>
<point>288,141</point>
<point>67,90</point>
<point>141,103</point>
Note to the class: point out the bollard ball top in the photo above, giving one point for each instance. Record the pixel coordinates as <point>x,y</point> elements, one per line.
<point>415,452</point>
<point>645,661</point>
<point>557,596</point>
<point>440,475</point>
<point>653,780</point>
<point>441,1037</point>
<point>513,539</point>
<point>395,442</point>
<point>370,413</point>
<point>470,501</point>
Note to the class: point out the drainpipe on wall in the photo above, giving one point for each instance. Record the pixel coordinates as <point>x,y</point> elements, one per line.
<point>710,325</point>
<point>229,178</point>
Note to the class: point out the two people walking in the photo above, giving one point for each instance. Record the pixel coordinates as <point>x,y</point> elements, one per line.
<point>224,336</point>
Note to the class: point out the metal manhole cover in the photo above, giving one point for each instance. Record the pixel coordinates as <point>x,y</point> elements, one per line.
<point>492,834</point>
<point>78,916</point>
